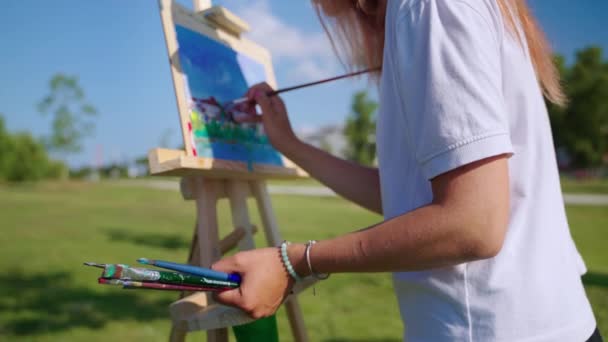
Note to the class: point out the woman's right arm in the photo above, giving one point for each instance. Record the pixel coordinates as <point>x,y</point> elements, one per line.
<point>356,183</point>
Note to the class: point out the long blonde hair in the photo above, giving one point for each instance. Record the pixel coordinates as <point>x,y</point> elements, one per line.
<point>356,32</point>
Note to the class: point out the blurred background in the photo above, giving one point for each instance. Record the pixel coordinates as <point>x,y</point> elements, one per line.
<point>86,91</point>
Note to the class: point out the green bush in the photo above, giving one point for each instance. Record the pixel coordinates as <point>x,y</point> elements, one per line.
<point>5,148</point>
<point>23,158</point>
<point>27,159</point>
<point>57,170</point>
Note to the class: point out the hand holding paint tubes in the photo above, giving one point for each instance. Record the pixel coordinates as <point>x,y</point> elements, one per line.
<point>266,283</point>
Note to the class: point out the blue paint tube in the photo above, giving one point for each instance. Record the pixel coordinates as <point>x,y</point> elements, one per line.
<point>194,270</point>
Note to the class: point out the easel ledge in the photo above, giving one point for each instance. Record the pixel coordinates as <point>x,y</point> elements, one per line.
<point>166,162</point>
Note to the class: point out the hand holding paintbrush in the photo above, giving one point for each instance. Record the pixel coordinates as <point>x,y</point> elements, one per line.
<point>247,103</point>
<point>273,113</point>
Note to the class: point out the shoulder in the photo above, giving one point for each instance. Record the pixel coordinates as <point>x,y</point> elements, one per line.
<point>486,12</point>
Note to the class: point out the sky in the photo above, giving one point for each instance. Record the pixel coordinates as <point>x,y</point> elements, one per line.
<point>116,48</point>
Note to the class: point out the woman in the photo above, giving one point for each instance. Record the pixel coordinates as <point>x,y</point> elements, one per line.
<point>475,229</point>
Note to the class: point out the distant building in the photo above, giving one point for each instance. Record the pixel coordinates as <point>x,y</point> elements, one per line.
<point>329,138</point>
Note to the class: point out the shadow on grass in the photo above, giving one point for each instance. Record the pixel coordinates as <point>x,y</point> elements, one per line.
<point>46,303</point>
<point>595,279</point>
<point>151,240</point>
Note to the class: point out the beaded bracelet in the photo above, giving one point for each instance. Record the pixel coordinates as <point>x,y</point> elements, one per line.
<point>287,263</point>
<point>312,272</point>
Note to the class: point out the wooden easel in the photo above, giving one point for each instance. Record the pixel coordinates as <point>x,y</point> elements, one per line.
<point>207,180</point>
<point>196,312</point>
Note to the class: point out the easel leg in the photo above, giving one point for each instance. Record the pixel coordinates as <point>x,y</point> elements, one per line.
<point>238,192</point>
<point>296,319</point>
<point>194,254</point>
<point>178,334</point>
<point>208,235</point>
<point>271,230</point>
<point>263,329</point>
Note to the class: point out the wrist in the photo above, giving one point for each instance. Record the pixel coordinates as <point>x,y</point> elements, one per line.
<point>295,252</point>
<point>289,147</point>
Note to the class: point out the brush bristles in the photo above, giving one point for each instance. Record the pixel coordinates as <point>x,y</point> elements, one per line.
<point>145,261</point>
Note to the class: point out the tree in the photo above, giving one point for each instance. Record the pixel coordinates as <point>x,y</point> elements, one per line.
<point>5,149</point>
<point>360,130</point>
<point>28,160</point>
<point>23,158</point>
<point>581,128</point>
<point>72,115</point>
<point>142,165</point>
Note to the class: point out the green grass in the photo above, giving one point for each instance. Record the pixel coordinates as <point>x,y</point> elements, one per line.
<point>592,186</point>
<point>296,182</point>
<point>48,230</point>
<point>569,185</point>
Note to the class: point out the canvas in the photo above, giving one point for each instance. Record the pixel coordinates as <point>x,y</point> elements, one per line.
<point>213,75</point>
<point>210,69</point>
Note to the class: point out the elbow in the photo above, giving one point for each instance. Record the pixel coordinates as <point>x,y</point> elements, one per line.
<point>485,239</point>
<point>487,247</point>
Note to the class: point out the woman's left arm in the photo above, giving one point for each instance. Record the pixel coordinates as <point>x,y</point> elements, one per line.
<point>466,221</point>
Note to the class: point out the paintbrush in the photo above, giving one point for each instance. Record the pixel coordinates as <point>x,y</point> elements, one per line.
<point>275,92</point>
<point>125,272</point>
<point>195,270</point>
<point>129,284</point>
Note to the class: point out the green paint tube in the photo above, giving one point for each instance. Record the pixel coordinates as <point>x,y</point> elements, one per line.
<point>124,272</point>
<point>264,329</point>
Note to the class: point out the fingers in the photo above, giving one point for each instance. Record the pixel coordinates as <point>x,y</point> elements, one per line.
<point>263,282</point>
<point>264,102</point>
<point>253,94</point>
<point>246,107</point>
<point>259,92</point>
<point>277,102</point>
<point>235,298</point>
<point>229,265</point>
<point>230,297</point>
<point>258,88</point>
<point>242,117</point>
<point>244,112</point>
<point>262,90</point>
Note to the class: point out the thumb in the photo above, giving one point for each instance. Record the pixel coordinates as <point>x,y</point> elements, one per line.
<point>229,297</point>
<point>226,265</point>
<point>262,99</point>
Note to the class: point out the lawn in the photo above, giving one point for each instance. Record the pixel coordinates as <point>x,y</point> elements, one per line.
<point>48,230</point>
<point>569,185</point>
<point>590,186</point>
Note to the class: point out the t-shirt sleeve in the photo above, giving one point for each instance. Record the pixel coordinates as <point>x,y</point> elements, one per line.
<point>449,74</point>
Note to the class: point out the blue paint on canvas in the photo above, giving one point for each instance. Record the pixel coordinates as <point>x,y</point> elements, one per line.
<point>215,74</point>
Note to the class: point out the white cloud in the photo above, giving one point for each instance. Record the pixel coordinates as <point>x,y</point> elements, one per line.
<point>282,39</point>
<point>310,70</point>
<point>306,55</point>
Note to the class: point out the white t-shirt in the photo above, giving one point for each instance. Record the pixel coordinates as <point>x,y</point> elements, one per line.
<point>457,87</point>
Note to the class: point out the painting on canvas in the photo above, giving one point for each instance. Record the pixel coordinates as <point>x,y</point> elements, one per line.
<point>214,74</point>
